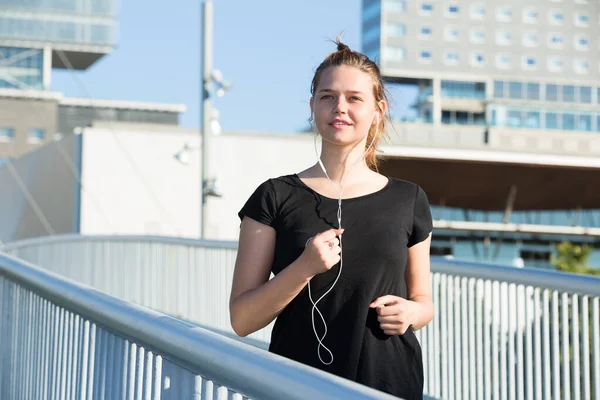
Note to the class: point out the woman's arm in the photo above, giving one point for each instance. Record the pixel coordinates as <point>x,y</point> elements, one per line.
<point>418,286</point>
<point>255,300</point>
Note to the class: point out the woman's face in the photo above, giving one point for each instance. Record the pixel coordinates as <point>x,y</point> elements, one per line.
<point>343,105</point>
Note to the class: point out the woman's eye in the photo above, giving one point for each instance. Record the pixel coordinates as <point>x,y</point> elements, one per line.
<point>355,98</point>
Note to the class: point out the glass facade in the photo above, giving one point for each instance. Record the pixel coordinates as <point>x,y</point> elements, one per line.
<point>544,118</point>
<point>21,68</point>
<point>528,250</point>
<point>551,92</point>
<point>460,89</point>
<point>87,22</point>
<point>371,29</point>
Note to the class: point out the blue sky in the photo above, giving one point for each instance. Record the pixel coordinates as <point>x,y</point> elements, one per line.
<point>268,49</point>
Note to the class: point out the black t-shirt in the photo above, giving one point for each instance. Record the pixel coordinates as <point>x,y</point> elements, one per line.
<point>379,229</point>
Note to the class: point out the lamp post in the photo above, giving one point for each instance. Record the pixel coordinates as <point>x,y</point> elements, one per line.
<point>209,124</point>
<point>206,62</point>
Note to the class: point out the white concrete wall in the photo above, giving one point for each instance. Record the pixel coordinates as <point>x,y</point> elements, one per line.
<point>135,185</point>
<point>241,163</point>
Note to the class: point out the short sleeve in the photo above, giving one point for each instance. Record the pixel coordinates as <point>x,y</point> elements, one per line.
<point>422,222</point>
<point>262,205</point>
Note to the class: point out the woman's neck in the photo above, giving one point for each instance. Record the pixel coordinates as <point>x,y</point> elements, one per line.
<point>339,162</point>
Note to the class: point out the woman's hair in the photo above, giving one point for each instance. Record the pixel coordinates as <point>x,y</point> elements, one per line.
<point>345,56</point>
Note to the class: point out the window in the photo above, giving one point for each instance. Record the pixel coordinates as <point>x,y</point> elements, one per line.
<point>425,8</point>
<point>515,90</point>
<point>530,39</point>
<point>503,14</point>
<point>397,6</point>
<point>477,11</point>
<point>499,89</point>
<point>568,121</point>
<point>35,135</point>
<point>582,43</point>
<point>551,121</point>
<point>581,66</point>
<point>503,38</point>
<point>598,123</point>
<point>532,119</point>
<point>372,35</point>
<point>394,29</point>
<point>514,118</point>
<point>555,64</point>
<point>371,11</point>
<point>503,61</point>
<point>555,40</point>
<point>425,56</point>
<point>6,134</point>
<point>529,63</point>
<point>451,58</point>
<point>530,15</point>
<point>556,17</point>
<point>452,10</point>
<point>585,94</point>
<point>477,60</point>
<point>451,33</point>
<point>533,91</point>
<point>584,123</point>
<point>552,92</point>
<point>568,93</point>
<point>477,35</point>
<point>581,19</point>
<point>462,118</point>
<point>446,117</point>
<point>425,32</point>
<point>465,90</point>
<point>392,53</point>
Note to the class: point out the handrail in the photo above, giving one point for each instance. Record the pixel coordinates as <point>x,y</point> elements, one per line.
<point>74,237</point>
<point>554,280</point>
<point>240,367</point>
<point>536,277</point>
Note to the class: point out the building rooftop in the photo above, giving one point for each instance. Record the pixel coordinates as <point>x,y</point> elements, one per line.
<point>94,103</point>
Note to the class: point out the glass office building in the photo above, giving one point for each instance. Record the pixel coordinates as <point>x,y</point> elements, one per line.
<point>38,35</point>
<point>526,72</point>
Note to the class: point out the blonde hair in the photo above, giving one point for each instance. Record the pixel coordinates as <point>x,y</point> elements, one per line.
<point>345,56</point>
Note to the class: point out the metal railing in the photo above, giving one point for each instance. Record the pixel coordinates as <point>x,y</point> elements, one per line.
<point>507,333</point>
<point>64,340</point>
<point>498,332</point>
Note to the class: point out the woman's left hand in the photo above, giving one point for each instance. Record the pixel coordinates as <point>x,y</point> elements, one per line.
<point>395,314</point>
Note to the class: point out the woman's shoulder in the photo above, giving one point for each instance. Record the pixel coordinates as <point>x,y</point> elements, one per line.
<point>403,184</point>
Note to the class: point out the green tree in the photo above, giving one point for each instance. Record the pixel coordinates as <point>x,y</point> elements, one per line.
<point>573,258</point>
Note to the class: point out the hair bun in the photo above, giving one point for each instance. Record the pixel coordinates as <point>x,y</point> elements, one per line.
<point>341,47</point>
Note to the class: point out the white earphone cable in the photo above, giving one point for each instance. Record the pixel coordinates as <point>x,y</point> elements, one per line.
<point>339,218</point>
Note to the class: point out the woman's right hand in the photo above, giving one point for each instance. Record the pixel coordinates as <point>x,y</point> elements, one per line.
<point>322,252</point>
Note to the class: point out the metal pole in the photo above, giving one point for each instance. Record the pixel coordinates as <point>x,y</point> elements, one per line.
<point>207,39</point>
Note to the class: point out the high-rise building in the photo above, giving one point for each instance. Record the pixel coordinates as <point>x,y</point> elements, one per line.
<point>37,36</point>
<point>498,81</point>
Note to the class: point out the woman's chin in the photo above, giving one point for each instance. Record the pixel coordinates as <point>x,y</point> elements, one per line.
<point>341,136</point>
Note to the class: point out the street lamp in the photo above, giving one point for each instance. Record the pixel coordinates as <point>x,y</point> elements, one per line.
<point>212,80</point>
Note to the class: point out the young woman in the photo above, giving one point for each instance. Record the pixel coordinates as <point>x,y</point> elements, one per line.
<point>348,247</point>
